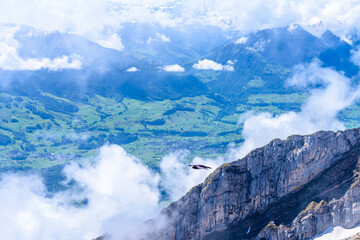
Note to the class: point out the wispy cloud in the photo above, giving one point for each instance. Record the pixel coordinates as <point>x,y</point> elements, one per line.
<point>93,19</point>
<point>163,37</point>
<point>178,177</point>
<point>259,45</point>
<point>158,37</point>
<point>99,20</point>
<point>241,40</point>
<point>10,60</point>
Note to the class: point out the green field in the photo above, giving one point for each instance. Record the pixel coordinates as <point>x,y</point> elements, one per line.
<point>36,133</point>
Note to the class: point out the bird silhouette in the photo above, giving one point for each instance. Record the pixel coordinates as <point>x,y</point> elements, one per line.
<point>199,166</point>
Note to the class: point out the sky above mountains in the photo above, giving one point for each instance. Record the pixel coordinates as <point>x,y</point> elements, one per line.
<point>101,21</point>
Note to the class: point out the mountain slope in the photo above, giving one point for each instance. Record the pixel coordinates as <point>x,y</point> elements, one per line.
<point>274,183</point>
<point>262,61</point>
<point>172,45</point>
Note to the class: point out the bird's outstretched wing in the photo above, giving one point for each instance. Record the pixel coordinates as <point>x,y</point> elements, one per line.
<point>199,166</point>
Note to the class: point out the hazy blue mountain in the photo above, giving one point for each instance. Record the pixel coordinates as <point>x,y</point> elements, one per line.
<point>103,71</point>
<point>293,45</point>
<point>252,73</point>
<point>261,62</point>
<point>338,54</point>
<point>287,46</point>
<point>172,45</point>
<point>32,42</point>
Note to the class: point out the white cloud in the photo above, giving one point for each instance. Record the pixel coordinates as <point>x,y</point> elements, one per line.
<point>207,64</point>
<point>231,62</point>
<point>241,40</point>
<point>337,16</point>
<point>173,68</point>
<point>318,113</point>
<point>99,20</point>
<point>10,60</point>
<point>228,68</point>
<point>159,37</point>
<point>132,69</point>
<point>149,40</point>
<point>355,57</point>
<point>93,19</point>
<point>163,38</point>
<point>114,42</point>
<point>292,27</point>
<point>259,46</point>
<point>56,64</point>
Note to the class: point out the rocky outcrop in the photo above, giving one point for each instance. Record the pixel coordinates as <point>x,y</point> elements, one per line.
<point>292,189</point>
<point>318,217</point>
<point>355,237</point>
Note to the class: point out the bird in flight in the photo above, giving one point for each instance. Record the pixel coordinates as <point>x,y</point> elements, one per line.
<point>199,166</point>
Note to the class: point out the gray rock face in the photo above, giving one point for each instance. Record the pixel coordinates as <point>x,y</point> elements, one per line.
<point>272,192</point>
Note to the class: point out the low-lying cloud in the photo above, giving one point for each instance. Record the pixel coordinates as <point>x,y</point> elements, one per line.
<point>132,69</point>
<point>119,191</point>
<point>259,46</point>
<point>241,40</point>
<point>163,37</point>
<point>173,68</point>
<point>207,64</point>
<point>56,64</point>
<point>355,57</point>
<point>10,60</point>
<point>318,113</point>
<point>113,194</point>
<point>158,37</point>
<point>113,42</point>
<point>178,177</point>
<point>99,20</point>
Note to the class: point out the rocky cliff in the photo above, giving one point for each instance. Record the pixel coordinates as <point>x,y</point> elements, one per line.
<point>289,189</point>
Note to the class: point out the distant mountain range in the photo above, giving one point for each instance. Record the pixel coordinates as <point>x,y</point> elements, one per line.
<point>261,60</point>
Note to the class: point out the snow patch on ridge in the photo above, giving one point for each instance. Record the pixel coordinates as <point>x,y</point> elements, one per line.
<point>337,233</point>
